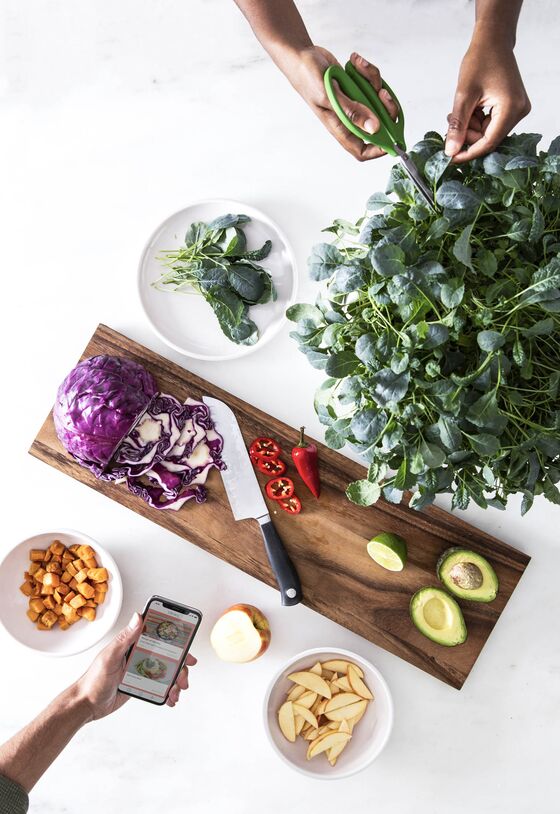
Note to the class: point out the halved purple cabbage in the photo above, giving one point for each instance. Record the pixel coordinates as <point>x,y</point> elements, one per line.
<point>97,404</point>
<point>168,448</point>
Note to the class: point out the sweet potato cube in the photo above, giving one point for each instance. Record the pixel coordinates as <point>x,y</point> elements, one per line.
<point>71,569</point>
<point>51,579</point>
<point>26,588</point>
<point>63,589</point>
<point>33,615</point>
<point>88,613</point>
<point>49,618</point>
<point>58,609</point>
<point>77,602</point>
<point>37,555</point>
<point>74,549</point>
<point>66,576</point>
<point>33,568</point>
<point>63,624</point>
<point>78,565</point>
<point>85,551</point>
<point>37,605</point>
<point>98,574</point>
<point>49,602</point>
<point>90,603</point>
<point>70,595</point>
<point>99,597</point>
<point>54,568</point>
<point>82,575</point>
<point>48,556</point>
<point>86,590</point>
<point>57,547</point>
<point>102,587</point>
<point>41,626</point>
<point>37,589</point>
<point>47,590</point>
<point>73,583</point>
<point>90,562</point>
<point>39,574</point>
<point>70,614</point>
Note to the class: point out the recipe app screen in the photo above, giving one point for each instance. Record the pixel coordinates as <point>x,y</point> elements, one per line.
<point>158,652</point>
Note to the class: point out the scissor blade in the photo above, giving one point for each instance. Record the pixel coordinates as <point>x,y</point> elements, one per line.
<point>416,178</point>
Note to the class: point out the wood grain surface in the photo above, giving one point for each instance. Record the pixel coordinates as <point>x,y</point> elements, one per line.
<point>327,541</point>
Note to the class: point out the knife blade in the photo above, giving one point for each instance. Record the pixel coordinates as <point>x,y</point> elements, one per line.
<point>246,499</point>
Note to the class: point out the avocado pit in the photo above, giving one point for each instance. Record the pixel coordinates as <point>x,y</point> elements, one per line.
<point>466,575</point>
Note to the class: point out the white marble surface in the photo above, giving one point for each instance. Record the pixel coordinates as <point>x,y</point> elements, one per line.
<point>114,115</point>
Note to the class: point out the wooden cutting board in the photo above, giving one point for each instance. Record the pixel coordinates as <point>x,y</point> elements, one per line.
<point>327,541</point>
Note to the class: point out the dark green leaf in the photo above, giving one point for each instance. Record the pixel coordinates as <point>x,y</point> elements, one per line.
<point>462,247</point>
<point>388,259</point>
<point>363,492</point>
<point>342,364</point>
<point>455,195</point>
<point>490,340</point>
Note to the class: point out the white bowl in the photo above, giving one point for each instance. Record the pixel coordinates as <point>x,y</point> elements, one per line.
<point>186,322</point>
<point>14,604</point>
<point>370,734</point>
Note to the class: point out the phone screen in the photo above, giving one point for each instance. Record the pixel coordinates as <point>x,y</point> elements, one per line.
<point>157,656</point>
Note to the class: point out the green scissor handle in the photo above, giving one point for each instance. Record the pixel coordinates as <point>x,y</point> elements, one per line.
<point>357,87</point>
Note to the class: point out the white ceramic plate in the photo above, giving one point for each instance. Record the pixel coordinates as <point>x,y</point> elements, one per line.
<point>186,322</point>
<point>13,604</point>
<point>370,734</point>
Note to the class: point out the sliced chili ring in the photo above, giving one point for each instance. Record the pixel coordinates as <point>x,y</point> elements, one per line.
<point>264,448</point>
<point>273,467</point>
<point>280,488</point>
<point>292,504</point>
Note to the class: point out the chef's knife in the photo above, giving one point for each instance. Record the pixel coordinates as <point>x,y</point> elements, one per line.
<point>246,500</point>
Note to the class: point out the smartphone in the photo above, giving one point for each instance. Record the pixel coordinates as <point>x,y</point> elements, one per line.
<point>154,662</point>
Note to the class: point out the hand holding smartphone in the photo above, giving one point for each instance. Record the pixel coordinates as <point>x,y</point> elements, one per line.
<point>153,664</point>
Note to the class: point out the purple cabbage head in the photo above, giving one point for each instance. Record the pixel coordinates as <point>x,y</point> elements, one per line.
<point>97,404</point>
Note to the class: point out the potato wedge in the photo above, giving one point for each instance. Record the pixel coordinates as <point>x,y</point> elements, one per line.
<point>343,684</point>
<point>349,711</point>
<point>341,666</point>
<point>311,681</point>
<point>307,699</point>
<point>317,669</point>
<point>286,721</point>
<point>296,692</point>
<point>357,684</point>
<point>306,715</point>
<point>325,742</point>
<point>341,700</point>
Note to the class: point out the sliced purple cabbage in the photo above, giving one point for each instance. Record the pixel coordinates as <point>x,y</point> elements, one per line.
<point>168,448</point>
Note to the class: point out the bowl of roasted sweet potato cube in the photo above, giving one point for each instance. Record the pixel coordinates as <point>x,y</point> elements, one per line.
<point>60,592</point>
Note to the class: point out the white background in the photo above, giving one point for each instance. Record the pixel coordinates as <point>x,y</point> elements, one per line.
<point>114,115</point>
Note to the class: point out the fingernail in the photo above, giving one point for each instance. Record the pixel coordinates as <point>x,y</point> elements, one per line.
<point>134,619</point>
<point>364,62</point>
<point>370,126</point>
<point>450,148</point>
<point>385,94</point>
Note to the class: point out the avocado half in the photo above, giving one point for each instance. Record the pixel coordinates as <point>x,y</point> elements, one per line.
<point>438,616</point>
<point>467,575</point>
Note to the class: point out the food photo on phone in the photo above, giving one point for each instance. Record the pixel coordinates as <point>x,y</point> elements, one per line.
<point>154,662</point>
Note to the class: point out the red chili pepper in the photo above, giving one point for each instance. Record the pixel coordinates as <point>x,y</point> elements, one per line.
<point>264,448</point>
<point>279,488</point>
<point>273,467</point>
<point>304,456</point>
<point>292,504</point>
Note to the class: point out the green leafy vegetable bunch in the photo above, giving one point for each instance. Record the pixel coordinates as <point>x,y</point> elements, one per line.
<point>440,331</point>
<point>216,263</point>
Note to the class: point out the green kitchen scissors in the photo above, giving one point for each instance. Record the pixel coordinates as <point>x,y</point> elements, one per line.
<point>390,136</point>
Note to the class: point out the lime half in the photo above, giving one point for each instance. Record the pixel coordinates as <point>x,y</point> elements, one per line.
<point>388,550</point>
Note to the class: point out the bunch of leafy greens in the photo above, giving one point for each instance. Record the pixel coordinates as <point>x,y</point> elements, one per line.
<point>216,263</point>
<point>440,332</point>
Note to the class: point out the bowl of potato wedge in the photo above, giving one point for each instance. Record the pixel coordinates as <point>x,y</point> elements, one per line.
<point>60,592</point>
<point>328,713</point>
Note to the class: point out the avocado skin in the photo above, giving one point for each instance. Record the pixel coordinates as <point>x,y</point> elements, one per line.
<point>438,639</point>
<point>487,570</point>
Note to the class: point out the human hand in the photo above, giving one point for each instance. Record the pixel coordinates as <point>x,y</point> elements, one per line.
<point>306,69</point>
<point>99,684</point>
<point>488,78</point>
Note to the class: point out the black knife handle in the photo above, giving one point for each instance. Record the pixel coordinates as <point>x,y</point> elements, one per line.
<point>281,564</point>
